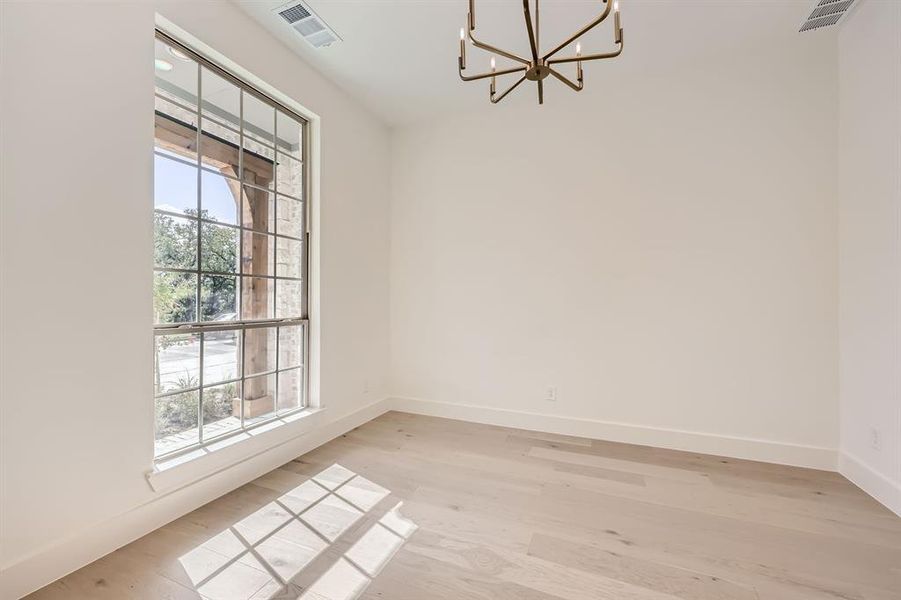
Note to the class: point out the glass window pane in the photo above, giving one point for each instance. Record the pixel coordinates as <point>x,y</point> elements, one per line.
<point>258,250</point>
<point>290,217</point>
<point>289,132</point>
<point>219,148</point>
<point>218,298</point>
<point>259,398</point>
<point>290,258</point>
<point>257,298</point>
<point>219,248</point>
<point>290,389</point>
<point>221,99</point>
<point>177,364</point>
<point>259,350</point>
<point>289,176</point>
<point>176,74</point>
<point>174,242</point>
<point>174,185</point>
<point>258,153</point>
<point>221,356</point>
<point>221,409</point>
<point>259,209</point>
<point>290,346</point>
<point>218,197</point>
<point>259,122</point>
<point>174,297</point>
<point>175,130</point>
<point>176,422</point>
<point>289,295</point>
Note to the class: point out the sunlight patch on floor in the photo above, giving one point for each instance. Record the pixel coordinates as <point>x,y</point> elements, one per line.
<point>262,556</point>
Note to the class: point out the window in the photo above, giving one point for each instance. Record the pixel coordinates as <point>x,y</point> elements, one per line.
<point>230,254</point>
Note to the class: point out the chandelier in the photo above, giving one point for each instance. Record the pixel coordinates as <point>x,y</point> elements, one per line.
<point>538,67</point>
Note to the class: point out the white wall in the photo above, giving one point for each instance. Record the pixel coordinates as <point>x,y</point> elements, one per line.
<point>76,432</point>
<point>870,234</point>
<point>662,249</point>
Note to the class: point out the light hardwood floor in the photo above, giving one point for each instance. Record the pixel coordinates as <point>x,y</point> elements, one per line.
<point>415,508</point>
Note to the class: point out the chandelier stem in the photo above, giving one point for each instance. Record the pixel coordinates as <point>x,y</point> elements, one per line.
<point>532,44</point>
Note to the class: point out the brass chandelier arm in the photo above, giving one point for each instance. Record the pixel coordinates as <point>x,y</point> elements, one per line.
<point>569,59</point>
<point>497,51</point>
<point>471,22</point>
<point>583,31</point>
<point>566,80</point>
<point>491,74</point>
<point>495,99</point>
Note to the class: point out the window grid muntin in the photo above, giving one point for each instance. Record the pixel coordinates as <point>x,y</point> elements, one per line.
<point>201,327</point>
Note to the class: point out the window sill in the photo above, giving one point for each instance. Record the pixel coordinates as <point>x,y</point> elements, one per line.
<point>170,474</point>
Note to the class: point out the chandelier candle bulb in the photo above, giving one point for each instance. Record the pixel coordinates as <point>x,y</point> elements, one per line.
<point>462,49</point>
<point>493,77</point>
<point>579,63</point>
<point>617,28</point>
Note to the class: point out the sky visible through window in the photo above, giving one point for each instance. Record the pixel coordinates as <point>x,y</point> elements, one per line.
<point>175,190</point>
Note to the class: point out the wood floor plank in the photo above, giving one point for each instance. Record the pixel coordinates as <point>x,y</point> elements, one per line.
<point>408,507</point>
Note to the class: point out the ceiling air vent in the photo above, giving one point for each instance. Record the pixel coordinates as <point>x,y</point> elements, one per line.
<point>825,13</point>
<point>308,24</point>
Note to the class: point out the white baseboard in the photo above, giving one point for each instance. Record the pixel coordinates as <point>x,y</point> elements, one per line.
<point>877,485</point>
<point>795,455</point>
<point>78,550</point>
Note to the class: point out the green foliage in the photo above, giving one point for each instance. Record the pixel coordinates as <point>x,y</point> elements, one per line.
<point>175,246</point>
<point>178,412</point>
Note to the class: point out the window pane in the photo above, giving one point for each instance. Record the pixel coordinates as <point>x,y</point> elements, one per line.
<point>218,298</point>
<point>290,389</point>
<point>290,217</point>
<point>290,258</point>
<point>219,248</point>
<point>290,346</point>
<point>174,241</point>
<point>176,421</point>
<point>289,176</point>
<point>259,350</point>
<point>259,398</point>
<point>221,356</point>
<point>175,130</point>
<point>174,297</point>
<point>289,132</point>
<point>257,297</point>
<point>174,185</point>
<point>221,409</point>
<point>176,74</point>
<point>219,148</point>
<point>259,123</point>
<point>258,154</point>
<point>259,249</point>
<point>259,209</point>
<point>177,362</point>
<point>221,99</point>
<point>218,197</point>
<point>289,294</point>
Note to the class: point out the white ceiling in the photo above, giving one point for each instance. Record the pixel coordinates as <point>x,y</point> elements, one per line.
<point>399,57</point>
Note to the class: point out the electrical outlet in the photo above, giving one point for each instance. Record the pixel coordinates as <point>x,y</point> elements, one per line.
<point>550,393</point>
<point>875,439</point>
